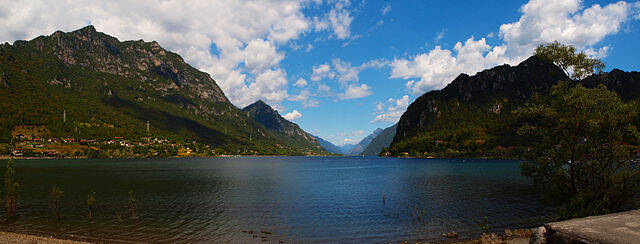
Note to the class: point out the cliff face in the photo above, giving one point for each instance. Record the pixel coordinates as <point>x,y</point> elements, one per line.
<point>626,84</point>
<point>470,116</point>
<point>112,88</point>
<point>505,84</point>
<point>271,120</point>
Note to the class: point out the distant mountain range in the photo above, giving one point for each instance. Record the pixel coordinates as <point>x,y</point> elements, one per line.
<point>358,148</point>
<point>106,88</point>
<point>330,147</point>
<point>470,116</point>
<point>382,140</point>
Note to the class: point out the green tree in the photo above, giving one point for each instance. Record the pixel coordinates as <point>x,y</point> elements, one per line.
<point>11,189</point>
<point>132,204</point>
<point>576,65</point>
<point>581,145</point>
<point>55,196</point>
<point>91,199</point>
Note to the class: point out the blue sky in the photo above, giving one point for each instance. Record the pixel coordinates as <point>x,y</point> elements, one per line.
<point>341,68</point>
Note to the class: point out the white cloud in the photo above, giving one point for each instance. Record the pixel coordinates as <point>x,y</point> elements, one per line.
<point>395,109</point>
<point>269,86</point>
<point>246,44</point>
<point>338,20</point>
<point>300,83</point>
<point>260,55</point>
<point>564,21</point>
<point>293,115</point>
<point>385,9</point>
<point>305,98</point>
<point>542,21</point>
<point>321,71</point>
<point>355,91</point>
<point>343,70</point>
<point>349,141</point>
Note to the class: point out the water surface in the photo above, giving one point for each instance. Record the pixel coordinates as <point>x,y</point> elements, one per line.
<point>311,199</point>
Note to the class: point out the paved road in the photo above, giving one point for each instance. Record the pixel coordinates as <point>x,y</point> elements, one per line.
<point>611,228</point>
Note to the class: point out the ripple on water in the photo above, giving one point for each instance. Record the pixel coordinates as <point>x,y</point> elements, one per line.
<point>312,199</point>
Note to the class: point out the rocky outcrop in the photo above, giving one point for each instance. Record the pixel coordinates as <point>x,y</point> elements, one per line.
<point>271,120</point>
<point>123,84</point>
<point>507,84</point>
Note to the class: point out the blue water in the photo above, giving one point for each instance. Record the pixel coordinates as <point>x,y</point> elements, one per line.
<point>311,199</point>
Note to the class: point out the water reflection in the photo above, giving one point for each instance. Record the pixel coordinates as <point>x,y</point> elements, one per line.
<point>290,198</point>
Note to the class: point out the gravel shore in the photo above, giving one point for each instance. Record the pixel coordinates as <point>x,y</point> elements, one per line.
<point>6,237</point>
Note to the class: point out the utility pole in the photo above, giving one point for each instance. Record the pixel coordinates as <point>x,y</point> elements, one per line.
<point>64,116</point>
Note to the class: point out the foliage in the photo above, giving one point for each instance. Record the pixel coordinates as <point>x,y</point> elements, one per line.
<point>485,226</point>
<point>55,196</point>
<point>91,199</point>
<point>576,64</point>
<point>582,145</point>
<point>100,103</point>
<point>132,204</point>
<point>11,188</point>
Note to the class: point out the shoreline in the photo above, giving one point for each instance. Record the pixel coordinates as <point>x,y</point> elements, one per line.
<point>4,157</point>
<point>510,236</point>
<point>13,237</point>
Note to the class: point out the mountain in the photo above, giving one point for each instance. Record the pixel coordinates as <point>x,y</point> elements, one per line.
<point>626,84</point>
<point>358,148</point>
<point>382,140</point>
<point>281,127</point>
<point>330,147</point>
<point>346,148</point>
<point>470,117</point>
<point>87,84</point>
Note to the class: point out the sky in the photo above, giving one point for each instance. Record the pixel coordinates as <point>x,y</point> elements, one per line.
<point>342,68</point>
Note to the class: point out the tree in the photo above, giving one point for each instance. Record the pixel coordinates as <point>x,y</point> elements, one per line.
<point>575,65</point>
<point>91,199</point>
<point>55,196</point>
<point>581,145</point>
<point>11,188</point>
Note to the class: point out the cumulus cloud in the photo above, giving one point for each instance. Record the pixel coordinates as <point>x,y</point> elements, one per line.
<point>305,98</point>
<point>321,71</point>
<point>347,76</point>
<point>246,45</point>
<point>293,115</point>
<point>300,83</point>
<point>355,91</point>
<point>394,109</point>
<point>338,20</point>
<point>567,21</point>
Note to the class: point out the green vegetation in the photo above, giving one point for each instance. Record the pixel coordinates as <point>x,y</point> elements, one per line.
<point>583,145</point>
<point>576,64</point>
<point>485,226</point>
<point>11,189</point>
<point>102,88</point>
<point>579,137</point>
<point>132,204</point>
<point>91,199</point>
<point>55,196</point>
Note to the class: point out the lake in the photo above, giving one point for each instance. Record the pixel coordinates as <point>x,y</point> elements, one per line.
<point>311,199</point>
